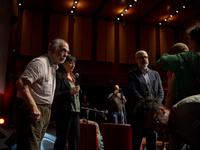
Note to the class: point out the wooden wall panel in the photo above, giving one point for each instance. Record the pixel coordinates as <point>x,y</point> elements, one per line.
<point>163,41</point>
<point>58,27</point>
<point>152,45</point>
<point>148,42</point>
<point>123,43</point>
<point>105,41</point>
<point>170,38</point>
<point>82,43</point>
<point>127,43</point>
<point>78,38</point>
<point>131,45</point>
<point>37,34</point>
<point>87,39</point>
<point>63,27</point>
<point>27,26</point>
<point>167,39</point>
<point>101,40</point>
<point>144,38</point>
<point>5,45</point>
<point>110,43</point>
<point>53,27</point>
<point>182,37</point>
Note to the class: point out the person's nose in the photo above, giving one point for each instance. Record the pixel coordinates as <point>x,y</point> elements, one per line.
<point>65,54</point>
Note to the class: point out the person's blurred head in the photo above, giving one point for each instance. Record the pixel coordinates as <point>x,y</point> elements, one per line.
<point>116,87</point>
<point>69,63</point>
<point>84,97</point>
<point>178,48</point>
<point>150,113</point>
<point>58,49</point>
<point>193,33</point>
<point>142,59</point>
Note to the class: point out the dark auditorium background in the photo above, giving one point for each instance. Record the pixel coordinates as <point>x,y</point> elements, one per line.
<point>103,35</point>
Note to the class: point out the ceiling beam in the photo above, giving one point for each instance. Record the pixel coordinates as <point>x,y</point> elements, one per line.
<point>150,11</point>
<point>100,8</point>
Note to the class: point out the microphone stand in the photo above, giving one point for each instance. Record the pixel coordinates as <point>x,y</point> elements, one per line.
<point>123,105</point>
<point>87,112</point>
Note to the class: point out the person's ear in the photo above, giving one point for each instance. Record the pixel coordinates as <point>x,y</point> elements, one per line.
<point>162,110</point>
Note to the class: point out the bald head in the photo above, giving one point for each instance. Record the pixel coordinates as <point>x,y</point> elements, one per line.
<point>116,87</point>
<point>140,52</point>
<point>142,60</point>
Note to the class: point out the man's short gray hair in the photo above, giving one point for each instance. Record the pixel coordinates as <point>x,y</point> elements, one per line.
<point>56,43</point>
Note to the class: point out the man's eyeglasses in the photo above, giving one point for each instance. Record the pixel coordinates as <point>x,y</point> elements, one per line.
<point>143,57</point>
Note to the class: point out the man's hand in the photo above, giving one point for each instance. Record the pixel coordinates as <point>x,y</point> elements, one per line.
<point>116,91</point>
<point>35,114</point>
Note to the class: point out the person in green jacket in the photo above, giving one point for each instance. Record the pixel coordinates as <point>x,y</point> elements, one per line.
<point>185,82</point>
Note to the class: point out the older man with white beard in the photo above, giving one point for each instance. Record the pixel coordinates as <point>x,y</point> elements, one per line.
<point>36,86</point>
<point>143,82</point>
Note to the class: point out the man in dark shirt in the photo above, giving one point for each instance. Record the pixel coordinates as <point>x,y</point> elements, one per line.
<point>117,103</point>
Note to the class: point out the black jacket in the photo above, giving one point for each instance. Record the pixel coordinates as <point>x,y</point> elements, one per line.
<point>62,98</point>
<point>138,88</point>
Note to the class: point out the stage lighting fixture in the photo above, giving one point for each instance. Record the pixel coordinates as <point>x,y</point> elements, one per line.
<point>2,121</point>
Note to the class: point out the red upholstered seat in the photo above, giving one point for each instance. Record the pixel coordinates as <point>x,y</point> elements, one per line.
<point>92,143</point>
<point>117,136</point>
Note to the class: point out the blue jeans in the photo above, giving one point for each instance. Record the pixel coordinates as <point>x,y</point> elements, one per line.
<point>118,116</point>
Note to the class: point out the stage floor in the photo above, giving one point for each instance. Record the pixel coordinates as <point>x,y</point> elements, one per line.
<point>47,143</point>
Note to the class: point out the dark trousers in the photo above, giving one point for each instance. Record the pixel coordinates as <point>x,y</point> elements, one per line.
<point>138,133</point>
<point>29,134</point>
<point>67,129</point>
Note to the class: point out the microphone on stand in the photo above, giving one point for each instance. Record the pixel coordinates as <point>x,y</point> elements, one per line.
<point>102,114</point>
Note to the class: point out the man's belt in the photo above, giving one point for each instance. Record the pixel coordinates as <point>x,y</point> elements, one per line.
<point>45,105</point>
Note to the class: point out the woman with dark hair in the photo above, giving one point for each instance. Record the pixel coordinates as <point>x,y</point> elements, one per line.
<point>66,107</point>
<point>185,66</point>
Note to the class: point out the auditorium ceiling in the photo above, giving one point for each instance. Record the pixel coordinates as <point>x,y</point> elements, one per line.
<point>166,13</point>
